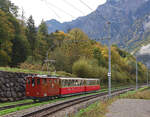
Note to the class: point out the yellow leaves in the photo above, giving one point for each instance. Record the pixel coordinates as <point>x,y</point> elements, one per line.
<point>60,34</point>
<point>77,44</point>
<point>4,58</point>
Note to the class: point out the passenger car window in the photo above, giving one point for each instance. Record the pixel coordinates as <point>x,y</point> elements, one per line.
<point>66,83</point>
<point>50,81</point>
<point>63,83</point>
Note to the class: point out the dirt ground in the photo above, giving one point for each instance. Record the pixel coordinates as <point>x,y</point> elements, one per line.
<point>129,108</point>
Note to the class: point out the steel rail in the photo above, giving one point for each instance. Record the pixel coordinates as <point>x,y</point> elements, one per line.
<point>58,107</point>
<point>15,105</point>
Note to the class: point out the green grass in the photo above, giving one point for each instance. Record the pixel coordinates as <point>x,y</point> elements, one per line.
<point>14,103</point>
<point>142,93</point>
<point>131,92</point>
<point>59,73</point>
<point>8,69</point>
<point>3,112</point>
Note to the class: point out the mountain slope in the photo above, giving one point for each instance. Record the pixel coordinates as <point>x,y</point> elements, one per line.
<point>128,19</point>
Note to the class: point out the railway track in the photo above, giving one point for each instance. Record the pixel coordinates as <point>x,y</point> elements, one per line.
<point>53,108</point>
<point>18,105</point>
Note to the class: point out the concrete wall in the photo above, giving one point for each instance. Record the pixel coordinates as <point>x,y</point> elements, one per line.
<point>12,86</point>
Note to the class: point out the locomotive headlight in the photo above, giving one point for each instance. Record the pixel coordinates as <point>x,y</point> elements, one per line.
<point>27,92</point>
<point>45,94</point>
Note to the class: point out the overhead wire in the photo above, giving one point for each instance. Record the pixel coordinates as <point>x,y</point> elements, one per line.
<point>92,10</point>
<point>56,14</point>
<point>59,9</point>
<point>74,7</point>
<point>86,5</point>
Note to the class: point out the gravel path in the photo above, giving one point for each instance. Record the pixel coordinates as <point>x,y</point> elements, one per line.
<point>129,108</point>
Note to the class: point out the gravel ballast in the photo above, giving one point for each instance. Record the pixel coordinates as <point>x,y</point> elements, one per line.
<point>129,108</point>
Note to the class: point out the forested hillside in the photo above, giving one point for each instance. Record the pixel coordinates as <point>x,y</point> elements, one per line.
<point>25,46</point>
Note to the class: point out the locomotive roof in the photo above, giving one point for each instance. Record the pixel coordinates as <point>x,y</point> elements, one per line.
<point>77,78</point>
<point>43,76</point>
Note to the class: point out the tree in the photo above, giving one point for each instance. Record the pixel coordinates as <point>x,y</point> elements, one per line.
<point>31,35</point>
<point>43,29</point>
<point>75,45</point>
<point>42,41</point>
<point>6,35</point>
<point>8,7</point>
<point>20,43</point>
<point>98,55</point>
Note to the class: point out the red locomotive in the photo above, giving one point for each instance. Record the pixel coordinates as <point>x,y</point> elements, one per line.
<point>41,86</point>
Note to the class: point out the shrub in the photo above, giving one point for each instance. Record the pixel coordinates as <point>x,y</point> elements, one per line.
<point>82,68</point>
<point>65,74</point>
<point>29,66</point>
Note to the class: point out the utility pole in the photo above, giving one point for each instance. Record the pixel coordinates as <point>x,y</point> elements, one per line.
<point>136,74</point>
<point>109,61</point>
<point>147,77</point>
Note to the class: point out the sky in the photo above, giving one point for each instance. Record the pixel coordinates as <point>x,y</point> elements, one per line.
<point>61,10</point>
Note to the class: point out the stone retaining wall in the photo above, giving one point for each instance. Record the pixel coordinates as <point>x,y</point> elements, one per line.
<point>12,86</point>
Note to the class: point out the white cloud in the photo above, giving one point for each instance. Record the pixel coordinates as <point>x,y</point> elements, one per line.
<point>145,49</point>
<point>40,9</point>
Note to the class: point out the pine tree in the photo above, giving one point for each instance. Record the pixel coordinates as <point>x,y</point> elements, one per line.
<point>31,35</point>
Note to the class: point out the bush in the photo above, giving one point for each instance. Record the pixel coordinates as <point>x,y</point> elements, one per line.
<point>88,68</point>
<point>82,68</point>
<point>65,74</point>
<point>29,66</point>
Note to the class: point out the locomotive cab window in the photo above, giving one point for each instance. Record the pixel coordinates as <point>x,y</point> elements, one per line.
<point>33,82</point>
<point>55,81</point>
<point>50,81</point>
<point>38,81</point>
<point>43,81</point>
<point>28,80</point>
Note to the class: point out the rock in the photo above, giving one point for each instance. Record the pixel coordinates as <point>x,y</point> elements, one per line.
<point>3,88</point>
<point>11,84</point>
<point>7,80</point>
<point>2,94</point>
<point>11,99</point>
<point>8,89</point>
<point>13,94</point>
<point>3,99</point>
<point>7,85</point>
<point>2,80</point>
<point>20,94</point>
<point>8,94</point>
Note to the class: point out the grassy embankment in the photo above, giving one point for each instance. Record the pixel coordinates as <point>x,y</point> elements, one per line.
<point>59,73</point>
<point>100,108</point>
